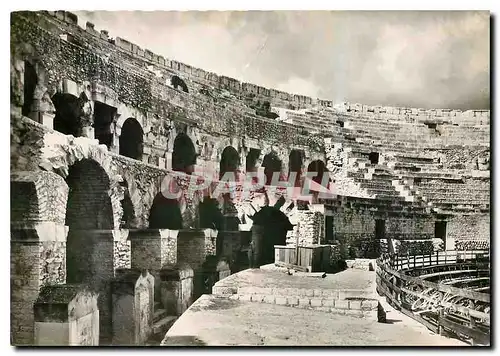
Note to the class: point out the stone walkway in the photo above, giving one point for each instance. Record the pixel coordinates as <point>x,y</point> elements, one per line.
<point>219,321</point>
<point>338,313</point>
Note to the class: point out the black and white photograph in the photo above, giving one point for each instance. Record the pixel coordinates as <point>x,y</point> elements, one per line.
<point>250,178</point>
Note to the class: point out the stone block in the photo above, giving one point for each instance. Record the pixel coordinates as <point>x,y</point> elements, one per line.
<point>66,315</point>
<point>328,302</point>
<point>257,298</point>
<point>355,304</point>
<point>245,297</point>
<point>342,304</point>
<point>292,301</point>
<point>269,299</point>
<point>281,300</point>
<point>176,288</point>
<point>304,302</point>
<point>316,302</point>
<point>369,304</point>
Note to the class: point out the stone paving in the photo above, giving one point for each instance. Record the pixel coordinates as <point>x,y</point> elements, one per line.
<point>219,321</point>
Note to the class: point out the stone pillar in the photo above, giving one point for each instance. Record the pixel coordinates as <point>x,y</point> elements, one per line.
<point>37,244</point>
<point>133,307</point>
<point>153,249</point>
<point>177,288</point>
<point>66,315</point>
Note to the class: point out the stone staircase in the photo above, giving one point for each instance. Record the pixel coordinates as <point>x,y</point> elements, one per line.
<point>360,303</point>
<point>161,323</point>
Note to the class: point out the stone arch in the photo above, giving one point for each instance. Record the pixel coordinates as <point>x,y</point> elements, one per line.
<point>89,207</point>
<point>272,165</point>
<point>30,83</point>
<point>184,154</point>
<point>131,139</point>
<point>296,163</point>
<point>229,162</point>
<point>176,82</point>
<point>38,196</point>
<point>319,167</point>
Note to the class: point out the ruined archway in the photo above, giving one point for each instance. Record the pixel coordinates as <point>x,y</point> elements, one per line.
<point>131,139</point>
<point>184,154</point>
<point>68,112</point>
<point>230,162</point>
<point>30,83</point>
<point>272,166</point>
<point>88,208</point>
<point>320,172</point>
<point>295,162</point>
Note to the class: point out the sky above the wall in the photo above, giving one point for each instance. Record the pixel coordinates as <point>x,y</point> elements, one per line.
<point>414,59</point>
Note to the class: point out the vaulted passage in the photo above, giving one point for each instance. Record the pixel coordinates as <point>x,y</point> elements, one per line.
<point>88,208</point>
<point>230,162</point>
<point>321,173</point>
<point>374,157</point>
<point>104,115</point>
<point>184,154</point>
<point>295,161</point>
<point>272,166</point>
<point>68,112</point>
<point>30,82</point>
<point>131,139</point>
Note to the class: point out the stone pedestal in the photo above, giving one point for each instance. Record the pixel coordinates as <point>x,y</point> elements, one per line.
<point>66,315</point>
<point>38,258</point>
<point>212,271</point>
<point>132,307</point>
<point>176,288</point>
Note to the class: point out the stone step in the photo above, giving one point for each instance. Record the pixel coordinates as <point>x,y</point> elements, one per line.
<point>159,314</point>
<point>360,307</point>
<point>162,325</point>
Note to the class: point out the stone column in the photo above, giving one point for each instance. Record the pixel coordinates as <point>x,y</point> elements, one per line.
<point>66,315</point>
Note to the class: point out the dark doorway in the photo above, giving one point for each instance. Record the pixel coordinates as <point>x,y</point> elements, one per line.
<point>295,162</point>
<point>68,111</point>
<point>104,115</point>
<point>178,82</point>
<point>131,139</point>
<point>329,236</point>
<point>272,166</point>
<point>184,154</point>
<point>230,161</point>
<point>379,229</point>
<point>30,82</point>
<point>440,230</point>
<point>320,169</point>
<point>374,156</point>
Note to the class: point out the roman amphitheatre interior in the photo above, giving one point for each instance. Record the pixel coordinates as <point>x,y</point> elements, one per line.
<point>391,248</point>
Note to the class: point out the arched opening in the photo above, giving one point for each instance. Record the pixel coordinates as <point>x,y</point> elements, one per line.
<point>131,139</point>
<point>30,83</point>
<point>68,112</point>
<point>373,157</point>
<point>295,161</point>
<point>104,115</point>
<point>178,82</point>
<point>319,168</point>
<point>165,213</point>
<point>230,162</point>
<point>251,161</point>
<point>272,166</point>
<point>184,154</point>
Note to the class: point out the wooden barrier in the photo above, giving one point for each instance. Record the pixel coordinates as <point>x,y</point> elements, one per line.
<point>313,258</point>
<point>440,307</point>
